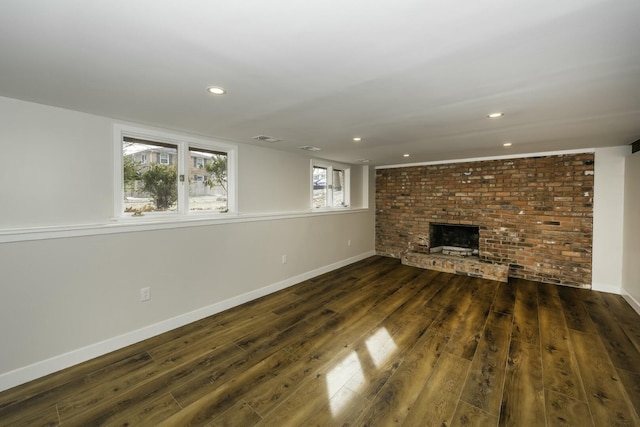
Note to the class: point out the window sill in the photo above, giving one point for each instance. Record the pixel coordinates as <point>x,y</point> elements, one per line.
<point>157,222</point>
<point>331,208</point>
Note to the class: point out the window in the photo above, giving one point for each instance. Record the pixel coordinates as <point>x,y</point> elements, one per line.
<point>210,192</point>
<point>338,188</point>
<point>149,187</point>
<point>162,174</point>
<point>319,187</point>
<point>330,185</point>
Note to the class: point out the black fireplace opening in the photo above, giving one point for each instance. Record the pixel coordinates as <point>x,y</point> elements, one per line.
<point>454,239</point>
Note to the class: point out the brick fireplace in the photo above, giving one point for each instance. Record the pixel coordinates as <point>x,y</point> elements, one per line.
<point>533,215</point>
<point>454,239</point>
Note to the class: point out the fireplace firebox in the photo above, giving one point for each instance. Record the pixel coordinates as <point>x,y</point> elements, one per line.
<point>454,239</point>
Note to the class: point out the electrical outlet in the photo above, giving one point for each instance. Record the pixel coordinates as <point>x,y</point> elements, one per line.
<point>145,294</point>
<point>284,259</point>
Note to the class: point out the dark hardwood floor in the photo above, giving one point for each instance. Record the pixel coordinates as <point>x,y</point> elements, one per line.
<point>376,344</point>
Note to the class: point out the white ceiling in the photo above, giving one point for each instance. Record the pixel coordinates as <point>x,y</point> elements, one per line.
<point>408,76</point>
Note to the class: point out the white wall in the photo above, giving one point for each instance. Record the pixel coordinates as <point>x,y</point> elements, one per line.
<point>273,180</point>
<point>631,259</point>
<point>76,296</point>
<point>608,207</point>
<point>55,167</point>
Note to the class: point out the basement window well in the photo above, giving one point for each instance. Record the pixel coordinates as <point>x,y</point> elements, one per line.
<point>171,176</point>
<point>454,239</point>
<point>329,185</point>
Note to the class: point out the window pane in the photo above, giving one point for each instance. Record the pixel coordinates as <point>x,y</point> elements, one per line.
<point>338,187</point>
<point>150,176</point>
<point>319,187</point>
<point>207,181</point>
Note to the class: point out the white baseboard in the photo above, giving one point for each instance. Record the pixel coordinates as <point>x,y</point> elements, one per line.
<point>604,287</point>
<point>45,367</point>
<point>634,303</point>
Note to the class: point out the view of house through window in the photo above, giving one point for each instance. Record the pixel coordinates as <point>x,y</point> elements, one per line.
<point>207,180</point>
<point>338,188</point>
<point>154,171</point>
<point>150,176</point>
<point>319,187</point>
<point>330,186</point>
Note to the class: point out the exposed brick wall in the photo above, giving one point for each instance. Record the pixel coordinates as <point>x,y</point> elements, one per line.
<point>535,214</point>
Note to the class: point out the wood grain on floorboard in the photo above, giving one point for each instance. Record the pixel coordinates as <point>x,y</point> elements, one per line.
<point>374,343</point>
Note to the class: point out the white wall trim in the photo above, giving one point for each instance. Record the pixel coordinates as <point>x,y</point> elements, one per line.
<point>45,367</point>
<point>155,223</point>
<point>605,287</point>
<point>481,159</point>
<point>635,304</point>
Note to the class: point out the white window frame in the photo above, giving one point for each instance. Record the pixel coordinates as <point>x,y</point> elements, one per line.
<point>346,192</point>
<point>164,158</point>
<point>184,144</point>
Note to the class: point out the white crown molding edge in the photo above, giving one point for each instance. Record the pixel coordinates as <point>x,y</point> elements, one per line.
<point>482,159</point>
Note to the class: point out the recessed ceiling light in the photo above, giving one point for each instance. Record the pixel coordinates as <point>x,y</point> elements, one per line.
<point>357,139</point>
<point>266,138</point>
<point>506,144</point>
<point>216,90</point>
<point>406,155</point>
<point>495,115</point>
<point>363,160</point>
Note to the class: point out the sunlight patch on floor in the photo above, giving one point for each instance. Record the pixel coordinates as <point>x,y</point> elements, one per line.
<point>338,377</point>
<point>381,346</point>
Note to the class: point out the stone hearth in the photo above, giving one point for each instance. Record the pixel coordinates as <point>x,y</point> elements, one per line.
<point>470,266</point>
<point>453,248</point>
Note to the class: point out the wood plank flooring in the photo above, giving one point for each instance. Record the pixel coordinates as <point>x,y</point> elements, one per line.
<point>375,343</point>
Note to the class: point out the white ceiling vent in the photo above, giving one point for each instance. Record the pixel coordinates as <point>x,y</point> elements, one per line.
<point>309,148</point>
<point>266,138</point>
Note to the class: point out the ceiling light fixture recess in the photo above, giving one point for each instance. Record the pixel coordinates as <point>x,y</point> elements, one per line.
<point>357,139</point>
<point>495,115</point>
<point>507,144</point>
<point>266,138</point>
<point>216,90</point>
<point>309,148</point>
<point>406,155</point>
